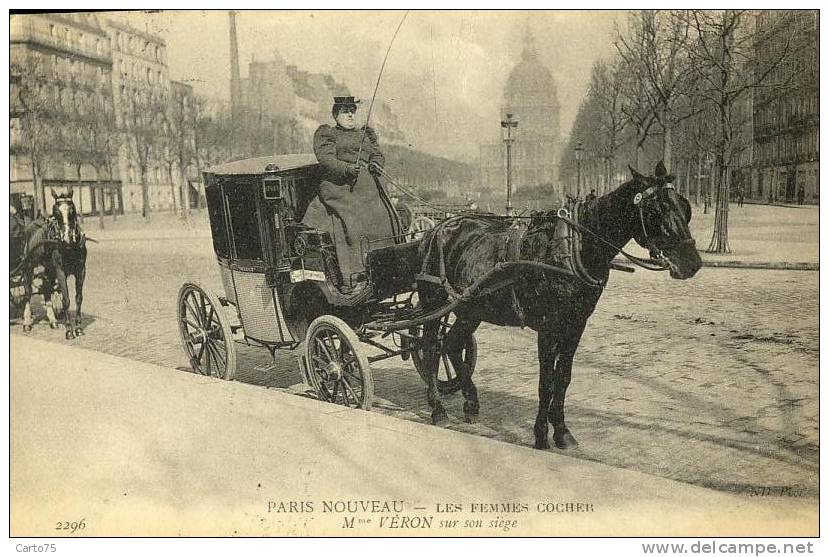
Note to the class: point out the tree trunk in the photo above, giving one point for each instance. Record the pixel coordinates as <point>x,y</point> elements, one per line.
<point>687,178</point>
<point>100,189</point>
<point>145,195</point>
<point>39,194</point>
<point>640,147</point>
<point>185,194</point>
<point>667,148</point>
<point>719,238</point>
<point>80,189</point>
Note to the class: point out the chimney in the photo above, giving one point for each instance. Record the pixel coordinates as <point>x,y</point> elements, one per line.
<point>235,81</point>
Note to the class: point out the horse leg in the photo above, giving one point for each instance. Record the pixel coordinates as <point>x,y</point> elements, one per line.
<point>64,289</point>
<point>48,289</point>
<point>455,343</point>
<point>80,275</point>
<point>27,308</point>
<point>547,355</point>
<point>431,359</point>
<point>561,380</point>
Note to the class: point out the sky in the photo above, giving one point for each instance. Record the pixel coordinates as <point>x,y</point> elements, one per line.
<point>445,73</point>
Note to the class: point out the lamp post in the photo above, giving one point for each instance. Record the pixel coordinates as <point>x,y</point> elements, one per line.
<point>507,124</point>
<point>579,150</point>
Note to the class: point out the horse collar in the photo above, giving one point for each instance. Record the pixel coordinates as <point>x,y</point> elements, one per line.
<point>575,248</point>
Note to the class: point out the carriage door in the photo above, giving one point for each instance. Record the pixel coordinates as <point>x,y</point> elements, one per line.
<point>259,308</point>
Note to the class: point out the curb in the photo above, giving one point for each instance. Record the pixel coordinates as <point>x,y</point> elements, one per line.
<point>760,265</point>
<point>768,265</point>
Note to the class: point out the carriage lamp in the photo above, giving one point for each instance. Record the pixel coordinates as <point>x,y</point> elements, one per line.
<point>507,125</point>
<point>579,150</point>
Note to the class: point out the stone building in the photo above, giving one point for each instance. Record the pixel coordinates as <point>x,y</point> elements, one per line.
<point>282,106</point>
<point>61,93</point>
<point>530,95</point>
<point>141,89</point>
<point>786,154</point>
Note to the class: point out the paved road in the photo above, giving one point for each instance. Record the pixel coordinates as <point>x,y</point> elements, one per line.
<point>712,381</point>
<point>136,449</point>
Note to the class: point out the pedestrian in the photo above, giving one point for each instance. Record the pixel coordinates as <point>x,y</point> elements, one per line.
<point>352,205</point>
<point>801,195</point>
<point>707,202</point>
<point>740,196</point>
<point>591,196</point>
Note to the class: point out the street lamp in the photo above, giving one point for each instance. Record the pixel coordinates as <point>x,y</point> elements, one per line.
<point>507,124</point>
<point>579,150</point>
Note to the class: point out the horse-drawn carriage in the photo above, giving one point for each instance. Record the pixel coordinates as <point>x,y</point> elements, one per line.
<point>423,297</point>
<point>22,215</point>
<point>281,285</point>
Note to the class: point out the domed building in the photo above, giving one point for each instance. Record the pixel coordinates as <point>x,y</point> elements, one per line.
<point>530,95</point>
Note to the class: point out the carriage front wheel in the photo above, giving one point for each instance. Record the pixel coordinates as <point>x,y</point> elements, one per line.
<point>337,366</point>
<point>205,332</point>
<point>450,360</point>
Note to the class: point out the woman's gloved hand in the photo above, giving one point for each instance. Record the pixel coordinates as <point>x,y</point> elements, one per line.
<point>375,167</point>
<point>353,170</point>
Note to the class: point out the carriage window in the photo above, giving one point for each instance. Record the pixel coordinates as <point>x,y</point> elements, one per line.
<point>241,204</point>
<point>215,208</point>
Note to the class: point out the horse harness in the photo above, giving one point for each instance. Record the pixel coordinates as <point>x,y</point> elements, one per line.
<point>568,237</point>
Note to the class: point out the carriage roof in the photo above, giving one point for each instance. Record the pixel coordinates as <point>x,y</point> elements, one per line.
<point>256,166</point>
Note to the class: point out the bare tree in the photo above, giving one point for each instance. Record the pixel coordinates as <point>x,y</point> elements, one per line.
<point>607,88</point>
<point>179,136</point>
<point>142,125</point>
<point>37,101</point>
<point>723,55</point>
<point>104,141</point>
<point>655,57</point>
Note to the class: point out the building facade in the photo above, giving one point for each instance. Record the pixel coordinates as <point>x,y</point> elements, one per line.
<point>140,91</point>
<point>61,108</point>
<point>530,95</point>
<point>786,154</point>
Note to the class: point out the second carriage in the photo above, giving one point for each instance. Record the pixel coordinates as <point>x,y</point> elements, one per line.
<point>282,289</point>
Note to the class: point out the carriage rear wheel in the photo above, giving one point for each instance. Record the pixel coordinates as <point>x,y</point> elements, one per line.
<point>466,355</point>
<point>337,366</point>
<point>205,332</point>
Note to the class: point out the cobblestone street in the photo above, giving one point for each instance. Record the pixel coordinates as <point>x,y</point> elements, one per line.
<point>711,381</point>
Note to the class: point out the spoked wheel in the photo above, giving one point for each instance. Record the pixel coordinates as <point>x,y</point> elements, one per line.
<point>205,332</point>
<point>419,226</point>
<point>466,355</point>
<point>337,366</point>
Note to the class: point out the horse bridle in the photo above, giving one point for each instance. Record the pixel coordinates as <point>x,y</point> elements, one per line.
<point>70,232</point>
<point>653,243</point>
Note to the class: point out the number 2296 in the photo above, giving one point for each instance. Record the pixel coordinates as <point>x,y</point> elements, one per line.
<point>72,526</point>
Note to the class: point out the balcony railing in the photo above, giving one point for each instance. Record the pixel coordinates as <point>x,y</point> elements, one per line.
<point>27,34</point>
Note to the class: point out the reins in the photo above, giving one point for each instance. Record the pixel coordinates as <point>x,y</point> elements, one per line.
<point>649,264</point>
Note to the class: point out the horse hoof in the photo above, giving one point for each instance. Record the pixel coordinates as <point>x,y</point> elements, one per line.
<point>470,418</point>
<point>78,332</point>
<point>542,444</point>
<point>565,440</point>
<point>53,325</point>
<point>440,418</point>
<point>27,328</point>
<point>70,335</point>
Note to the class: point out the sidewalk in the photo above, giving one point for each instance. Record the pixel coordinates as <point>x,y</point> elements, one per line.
<point>135,450</point>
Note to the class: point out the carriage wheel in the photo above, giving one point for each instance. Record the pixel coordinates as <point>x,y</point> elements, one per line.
<point>337,366</point>
<point>17,297</point>
<point>419,226</point>
<point>205,332</point>
<point>467,355</point>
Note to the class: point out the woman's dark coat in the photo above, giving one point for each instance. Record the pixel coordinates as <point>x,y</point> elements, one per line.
<point>354,209</point>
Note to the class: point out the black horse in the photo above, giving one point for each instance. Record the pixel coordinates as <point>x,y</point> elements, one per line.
<point>563,261</point>
<point>59,246</point>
